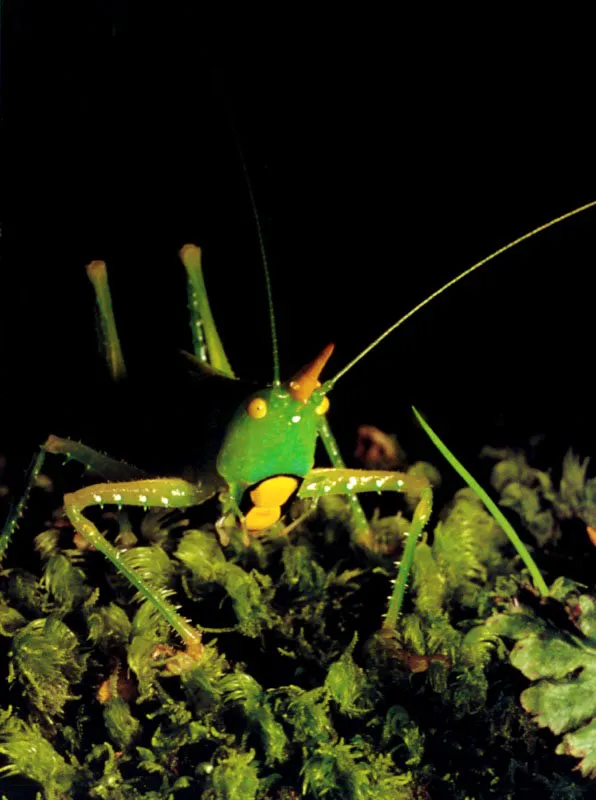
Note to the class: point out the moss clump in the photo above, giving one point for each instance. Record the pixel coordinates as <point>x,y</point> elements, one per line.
<point>296,690</point>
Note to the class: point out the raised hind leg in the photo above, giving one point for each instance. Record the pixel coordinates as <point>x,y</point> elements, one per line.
<point>98,275</point>
<point>208,348</point>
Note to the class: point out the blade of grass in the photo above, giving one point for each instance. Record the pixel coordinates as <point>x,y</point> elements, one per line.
<point>490,505</point>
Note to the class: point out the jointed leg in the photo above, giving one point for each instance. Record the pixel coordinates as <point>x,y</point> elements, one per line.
<point>108,468</point>
<point>147,493</point>
<point>359,521</point>
<point>320,482</point>
<point>421,514</point>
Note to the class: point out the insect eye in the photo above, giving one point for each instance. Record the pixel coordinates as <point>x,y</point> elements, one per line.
<point>257,408</point>
<point>323,406</point>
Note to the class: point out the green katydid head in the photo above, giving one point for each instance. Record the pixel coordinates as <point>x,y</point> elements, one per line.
<point>274,431</point>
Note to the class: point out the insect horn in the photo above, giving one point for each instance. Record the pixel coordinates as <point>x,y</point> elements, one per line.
<point>328,385</point>
<point>306,380</point>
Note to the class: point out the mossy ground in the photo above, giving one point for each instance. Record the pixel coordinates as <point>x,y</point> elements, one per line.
<point>298,693</point>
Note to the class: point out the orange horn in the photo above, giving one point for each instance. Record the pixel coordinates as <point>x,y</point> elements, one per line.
<point>306,380</point>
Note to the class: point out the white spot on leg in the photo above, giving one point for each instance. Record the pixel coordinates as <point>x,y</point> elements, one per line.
<point>143,498</point>
<point>165,501</point>
<point>97,498</point>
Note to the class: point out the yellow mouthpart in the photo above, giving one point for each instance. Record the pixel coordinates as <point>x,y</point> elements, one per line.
<point>268,498</point>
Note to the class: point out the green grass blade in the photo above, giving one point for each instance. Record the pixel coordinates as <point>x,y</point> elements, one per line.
<point>490,505</point>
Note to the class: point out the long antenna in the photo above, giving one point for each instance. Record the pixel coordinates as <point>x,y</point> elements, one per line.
<point>328,385</point>
<point>276,377</point>
<point>218,84</point>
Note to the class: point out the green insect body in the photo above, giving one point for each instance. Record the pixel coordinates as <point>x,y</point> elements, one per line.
<point>267,453</point>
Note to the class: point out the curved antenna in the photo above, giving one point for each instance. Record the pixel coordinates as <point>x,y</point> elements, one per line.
<point>274,347</point>
<point>328,385</point>
<point>218,84</point>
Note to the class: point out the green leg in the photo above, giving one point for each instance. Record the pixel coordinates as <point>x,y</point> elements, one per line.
<point>359,521</point>
<point>12,523</point>
<point>230,505</point>
<point>208,348</point>
<point>108,468</point>
<point>98,276</point>
<point>421,514</point>
<point>320,482</point>
<point>147,493</point>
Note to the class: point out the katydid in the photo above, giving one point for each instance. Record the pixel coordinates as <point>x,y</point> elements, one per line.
<point>268,451</point>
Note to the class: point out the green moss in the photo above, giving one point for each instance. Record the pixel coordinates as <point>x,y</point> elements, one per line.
<point>297,691</point>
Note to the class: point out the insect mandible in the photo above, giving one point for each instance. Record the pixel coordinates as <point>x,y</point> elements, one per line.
<point>268,451</point>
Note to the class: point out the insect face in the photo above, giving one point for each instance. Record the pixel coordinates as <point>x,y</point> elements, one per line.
<point>270,434</point>
<point>274,432</point>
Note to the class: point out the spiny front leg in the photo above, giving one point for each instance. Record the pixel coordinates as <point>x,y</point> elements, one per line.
<point>321,482</point>
<point>147,493</point>
<point>359,522</point>
<point>421,514</point>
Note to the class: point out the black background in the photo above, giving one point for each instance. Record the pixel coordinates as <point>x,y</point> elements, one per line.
<point>386,156</point>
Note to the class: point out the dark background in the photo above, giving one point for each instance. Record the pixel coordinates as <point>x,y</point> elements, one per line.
<point>385,158</point>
